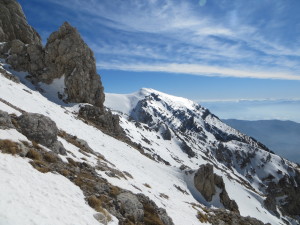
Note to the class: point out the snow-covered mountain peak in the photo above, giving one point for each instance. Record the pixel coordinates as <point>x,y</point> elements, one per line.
<point>125,103</point>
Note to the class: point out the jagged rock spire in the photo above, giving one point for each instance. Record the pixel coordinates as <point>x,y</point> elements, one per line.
<point>66,54</point>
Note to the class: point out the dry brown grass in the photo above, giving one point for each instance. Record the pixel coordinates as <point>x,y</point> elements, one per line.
<point>203,218</point>
<point>96,204</point>
<point>15,122</point>
<point>150,216</point>
<point>72,162</point>
<point>65,172</point>
<point>36,145</point>
<point>40,166</point>
<point>33,154</point>
<point>9,147</point>
<point>50,157</point>
<point>162,195</point>
<point>114,191</point>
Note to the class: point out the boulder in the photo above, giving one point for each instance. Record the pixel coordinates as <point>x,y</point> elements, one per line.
<point>5,120</point>
<point>13,24</point>
<point>41,129</point>
<point>204,181</point>
<point>131,206</point>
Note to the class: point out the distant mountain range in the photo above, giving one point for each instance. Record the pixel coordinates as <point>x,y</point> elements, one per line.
<point>283,137</point>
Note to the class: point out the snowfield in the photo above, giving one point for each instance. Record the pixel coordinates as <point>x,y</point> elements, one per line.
<point>29,197</point>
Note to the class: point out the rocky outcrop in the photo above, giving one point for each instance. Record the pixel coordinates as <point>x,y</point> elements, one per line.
<point>223,217</point>
<point>13,24</point>
<point>23,57</point>
<point>41,129</point>
<point>66,54</point>
<point>104,120</point>
<point>5,120</point>
<point>131,207</point>
<point>287,192</point>
<point>206,182</point>
<point>152,213</point>
<point>165,132</point>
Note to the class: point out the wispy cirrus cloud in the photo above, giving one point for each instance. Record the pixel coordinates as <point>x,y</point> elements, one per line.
<point>199,70</point>
<point>221,38</point>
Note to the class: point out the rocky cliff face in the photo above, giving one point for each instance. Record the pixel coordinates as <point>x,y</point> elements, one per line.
<point>13,24</point>
<point>65,56</point>
<point>206,182</point>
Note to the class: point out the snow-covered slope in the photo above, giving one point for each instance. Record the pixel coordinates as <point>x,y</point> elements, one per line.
<point>181,133</point>
<point>175,135</point>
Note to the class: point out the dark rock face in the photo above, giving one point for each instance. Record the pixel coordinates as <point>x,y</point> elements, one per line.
<point>40,129</point>
<point>206,181</point>
<point>5,120</point>
<point>289,191</point>
<point>270,204</point>
<point>13,24</point>
<point>187,149</point>
<point>67,54</point>
<point>104,120</point>
<point>223,217</point>
<point>165,132</point>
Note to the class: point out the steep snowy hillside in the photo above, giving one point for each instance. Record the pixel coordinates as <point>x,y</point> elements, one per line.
<point>178,132</point>
<point>146,158</point>
<point>172,154</point>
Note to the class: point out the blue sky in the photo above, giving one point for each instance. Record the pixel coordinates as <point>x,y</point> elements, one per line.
<point>202,50</point>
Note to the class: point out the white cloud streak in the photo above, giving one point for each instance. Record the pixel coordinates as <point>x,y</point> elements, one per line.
<point>187,40</point>
<point>194,69</point>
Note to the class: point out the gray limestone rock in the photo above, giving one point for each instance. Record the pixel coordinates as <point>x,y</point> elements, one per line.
<point>66,54</point>
<point>104,120</point>
<point>131,206</point>
<point>41,129</point>
<point>206,181</point>
<point>13,24</point>
<point>38,128</point>
<point>5,120</point>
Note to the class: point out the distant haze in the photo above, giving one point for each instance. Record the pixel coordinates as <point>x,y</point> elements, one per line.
<point>282,137</point>
<point>255,109</point>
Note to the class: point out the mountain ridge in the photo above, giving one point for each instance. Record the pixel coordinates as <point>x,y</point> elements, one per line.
<point>281,136</point>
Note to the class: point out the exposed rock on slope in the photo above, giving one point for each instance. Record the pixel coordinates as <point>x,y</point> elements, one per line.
<point>5,121</point>
<point>104,120</point>
<point>206,182</point>
<point>13,24</point>
<point>41,129</point>
<point>67,55</point>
